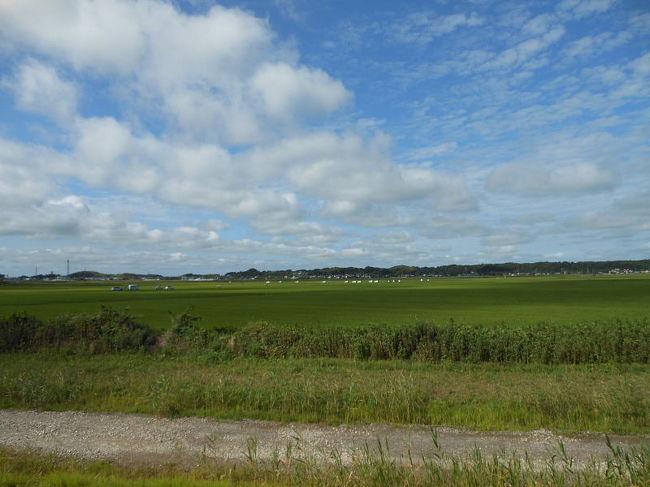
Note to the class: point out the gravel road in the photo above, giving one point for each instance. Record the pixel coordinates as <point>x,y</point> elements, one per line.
<point>135,439</point>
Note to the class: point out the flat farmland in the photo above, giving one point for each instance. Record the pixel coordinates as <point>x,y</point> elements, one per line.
<point>509,301</point>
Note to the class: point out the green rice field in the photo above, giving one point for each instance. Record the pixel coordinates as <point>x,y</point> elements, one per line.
<point>516,301</point>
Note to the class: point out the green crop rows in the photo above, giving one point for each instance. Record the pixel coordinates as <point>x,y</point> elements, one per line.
<point>514,301</point>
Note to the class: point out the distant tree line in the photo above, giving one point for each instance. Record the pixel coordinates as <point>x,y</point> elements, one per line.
<point>452,270</point>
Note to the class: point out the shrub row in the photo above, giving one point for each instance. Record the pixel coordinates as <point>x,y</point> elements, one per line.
<point>112,331</point>
<point>108,330</point>
<point>620,341</point>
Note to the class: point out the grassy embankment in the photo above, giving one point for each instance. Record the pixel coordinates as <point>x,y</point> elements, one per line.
<point>596,397</point>
<point>588,377</point>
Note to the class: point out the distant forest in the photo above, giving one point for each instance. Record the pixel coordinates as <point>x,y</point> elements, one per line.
<point>453,270</point>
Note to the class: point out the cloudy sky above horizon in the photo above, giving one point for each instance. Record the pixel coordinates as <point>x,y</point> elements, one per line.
<point>203,136</point>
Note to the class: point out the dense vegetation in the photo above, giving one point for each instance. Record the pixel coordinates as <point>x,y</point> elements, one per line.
<point>110,330</point>
<point>106,331</point>
<point>481,377</point>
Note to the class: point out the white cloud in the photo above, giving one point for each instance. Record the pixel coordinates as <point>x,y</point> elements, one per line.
<point>583,8</point>
<point>596,44</point>
<point>432,151</point>
<point>289,93</point>
<point>510,238</point>
<point>401,237</point>
<point>525,50</point>
<point>72,216</point>
<point>290,9</point>
<point>222,80</point>
<point>192,120</point>
<point>539,24</point>
<point>216,75</point>
<point>26,174</point>
<point>536,180</point>
<point>447,226</point>
<point>352,173</point>
<point>423,27</point>
<point>38,88</point>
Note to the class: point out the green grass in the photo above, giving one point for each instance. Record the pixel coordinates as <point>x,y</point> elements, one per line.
<point>566,299</point>
<point>604,397</point>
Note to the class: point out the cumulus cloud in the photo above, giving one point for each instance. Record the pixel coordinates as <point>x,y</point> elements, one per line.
<point>26,173</point>
<point>221,79</point>
<point>97,35</point>
<point>224,80</point>
<point>289,93</point>
<point>352,173</point>
<point>38,88</point>
<point>206,68</point>
<point>536,180</point>
<point>71,216</point>
<point>239,146</point>
<point>629,215</point>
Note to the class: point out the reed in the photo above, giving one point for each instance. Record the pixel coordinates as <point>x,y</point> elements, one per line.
<point>110,330</point>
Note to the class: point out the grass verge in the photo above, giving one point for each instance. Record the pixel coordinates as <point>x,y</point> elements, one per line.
<point>596,397</point>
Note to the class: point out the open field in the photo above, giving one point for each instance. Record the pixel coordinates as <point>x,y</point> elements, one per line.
<point>562,299</point>
<point>587,370</point>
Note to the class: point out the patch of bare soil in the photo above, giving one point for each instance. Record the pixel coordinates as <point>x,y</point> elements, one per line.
<point>152,441</point>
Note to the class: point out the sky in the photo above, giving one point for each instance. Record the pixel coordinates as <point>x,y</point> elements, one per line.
<point>199,136</point>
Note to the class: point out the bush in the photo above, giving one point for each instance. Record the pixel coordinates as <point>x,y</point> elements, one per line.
<point>108,330</point>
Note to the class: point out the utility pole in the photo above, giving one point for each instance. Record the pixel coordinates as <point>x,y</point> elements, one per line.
<point>67,264</point>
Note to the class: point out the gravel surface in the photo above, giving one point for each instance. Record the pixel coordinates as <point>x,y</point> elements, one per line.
<point>135,439</point>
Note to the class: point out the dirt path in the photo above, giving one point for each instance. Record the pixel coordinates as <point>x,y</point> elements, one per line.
<point>151,440</point>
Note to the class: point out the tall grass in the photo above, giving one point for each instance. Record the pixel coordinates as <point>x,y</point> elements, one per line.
<point>110,330</point>
<point>593,342</point>
<point>605,398</point>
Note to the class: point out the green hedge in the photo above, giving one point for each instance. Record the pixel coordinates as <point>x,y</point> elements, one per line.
<point>111,331</point>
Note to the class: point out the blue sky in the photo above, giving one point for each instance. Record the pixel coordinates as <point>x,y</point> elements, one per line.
<point>201,136</point>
